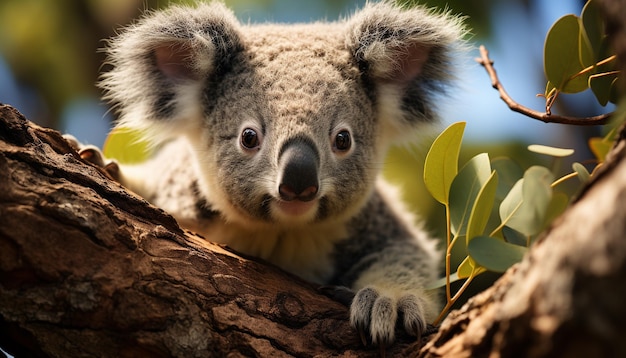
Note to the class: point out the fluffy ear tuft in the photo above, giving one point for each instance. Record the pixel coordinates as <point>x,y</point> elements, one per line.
<point>161,63</point>
<point>407,54</point>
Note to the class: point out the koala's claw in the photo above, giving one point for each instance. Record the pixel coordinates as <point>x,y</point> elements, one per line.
<point>93,155</point>
<point>376,314</point>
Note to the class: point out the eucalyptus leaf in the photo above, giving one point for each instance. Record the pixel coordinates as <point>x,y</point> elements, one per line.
<point>561,47</point>
<point>586,55</point>
<point>524,208</point>
<point>551,151</point>
<point>616,94</point>
<point>509,172</point>
<point>593,25</point>
<point>583,174</point>
<point>465,268</point>
<point>494,254</point>
<point>600,148</point>
<point>464,190</point>
<point>127,146</point>
<point>514,237</point>
<point>601,85</point>
<point>441,163</point>
<point>481,210</point>
<point>441,282</point>
<point>557,206</point>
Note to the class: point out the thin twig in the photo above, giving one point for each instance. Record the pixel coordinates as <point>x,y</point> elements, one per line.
<point>542,116</point>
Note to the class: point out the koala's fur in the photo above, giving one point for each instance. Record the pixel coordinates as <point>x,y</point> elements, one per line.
<point>201,85</point>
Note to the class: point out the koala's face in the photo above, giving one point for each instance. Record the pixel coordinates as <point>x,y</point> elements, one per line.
<point>291,131</point>
<point>290,123</point>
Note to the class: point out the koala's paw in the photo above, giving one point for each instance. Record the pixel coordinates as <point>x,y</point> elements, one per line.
<point>375,314</point>
<point>94,155</point>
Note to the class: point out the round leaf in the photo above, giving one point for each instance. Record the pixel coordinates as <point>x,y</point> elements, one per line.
<point>494,254</point>
<point>583,174</point>
<point>127,146</point>
<point>441,163</point>
<point>524,208</point>
<point>602,85</point>
<point>562,55</point>
<point>514,237</point>
<point>593,25</point>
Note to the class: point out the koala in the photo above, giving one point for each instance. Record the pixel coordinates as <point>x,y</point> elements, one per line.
<point>271,138</point>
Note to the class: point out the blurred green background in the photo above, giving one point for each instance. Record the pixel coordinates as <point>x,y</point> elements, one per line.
<point>50,59</point>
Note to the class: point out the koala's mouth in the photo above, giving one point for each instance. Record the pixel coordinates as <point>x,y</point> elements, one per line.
<point>295,209</point>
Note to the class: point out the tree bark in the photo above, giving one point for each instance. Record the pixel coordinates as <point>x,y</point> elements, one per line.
<point>90,269</point>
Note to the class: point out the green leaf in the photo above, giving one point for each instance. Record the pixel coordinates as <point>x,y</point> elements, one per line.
<point>514,237</point>
<point>586,56</point>
<point>464,190</point>
<point>441,282</point>
<point>481,209</point>
<point>616,94</point>
<point>583,174</point>
<point>509,172</point>
<point>494,254</point>
<point>601,85</point>
<point>561,57</point>
<point>549,89</point>
<point>465,268</point>
<point>600,148</point>
<point>551,151</point>
<point>557,206</point>
<point>127,146</point>
<point>524,208</point>
<point>441,163</point>
<point>593,26</point>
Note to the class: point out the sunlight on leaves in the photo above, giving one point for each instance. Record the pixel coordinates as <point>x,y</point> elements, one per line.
<point>551,151</point>
<point>464,191</point>
<point>441,163</point>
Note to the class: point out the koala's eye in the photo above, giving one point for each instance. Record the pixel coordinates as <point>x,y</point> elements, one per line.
<point>250,139</point>
<point>342,141</point>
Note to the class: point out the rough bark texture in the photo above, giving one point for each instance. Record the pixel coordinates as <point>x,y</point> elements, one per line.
<point>89,269</point>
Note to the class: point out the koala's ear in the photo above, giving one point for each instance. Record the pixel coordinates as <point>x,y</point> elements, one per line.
<point>162,63</point>
<point>407,55</point>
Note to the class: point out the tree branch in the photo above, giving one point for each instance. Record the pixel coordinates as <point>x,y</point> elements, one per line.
<point>486,62</point>
<point>90,269</point>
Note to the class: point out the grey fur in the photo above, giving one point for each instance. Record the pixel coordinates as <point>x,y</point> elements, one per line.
<point>195,79</point>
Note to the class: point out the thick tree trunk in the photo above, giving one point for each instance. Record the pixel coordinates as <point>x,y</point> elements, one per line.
<point>89,269</point>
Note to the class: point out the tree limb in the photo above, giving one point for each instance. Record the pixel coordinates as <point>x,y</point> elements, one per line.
<point>486,62</point>
<point>90,269</point>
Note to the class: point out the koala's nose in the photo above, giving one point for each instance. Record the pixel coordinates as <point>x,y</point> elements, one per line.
<point>300,163</point>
